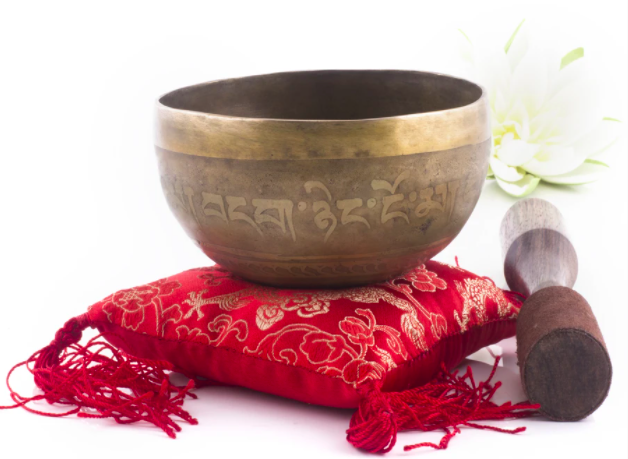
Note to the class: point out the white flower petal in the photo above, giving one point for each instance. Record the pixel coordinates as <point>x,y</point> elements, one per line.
<point>503,171</point>
<point>598,139</point>
<point>530,82</point>
<point>576,71</point>
<point>576,110</point>
<point>518,119</point>
<point>570,129</point>
<point>521,188</point>
<point>516,152</point>
<point>500,106</point>
<point>498,130</point>
<point>508,137</point>
<point>517,113</point>
<point>544,113</point>
<point>553,160</point>
<point>543,127</point>
<point>523,127</point>
<point>590,171</point>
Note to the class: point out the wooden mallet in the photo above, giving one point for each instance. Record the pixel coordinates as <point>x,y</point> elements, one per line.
<point>562,356</point>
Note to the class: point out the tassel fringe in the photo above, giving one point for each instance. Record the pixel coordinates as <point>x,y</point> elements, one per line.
<point>447,403</point>
<point>101,381</point>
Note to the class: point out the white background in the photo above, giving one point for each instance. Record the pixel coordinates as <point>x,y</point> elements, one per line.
<point>82,213</point>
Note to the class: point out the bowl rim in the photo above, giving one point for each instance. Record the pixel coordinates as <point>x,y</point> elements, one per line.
<point>482,96</point>
<point>213,135</point>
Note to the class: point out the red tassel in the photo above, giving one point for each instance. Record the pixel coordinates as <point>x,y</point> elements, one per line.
<point>448,402</point>
<point>118,386</point>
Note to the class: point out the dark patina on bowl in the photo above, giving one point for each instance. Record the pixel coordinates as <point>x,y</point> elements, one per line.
<point>324,178</point>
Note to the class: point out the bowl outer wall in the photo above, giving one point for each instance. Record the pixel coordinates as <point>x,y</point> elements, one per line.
<point>280,205</point>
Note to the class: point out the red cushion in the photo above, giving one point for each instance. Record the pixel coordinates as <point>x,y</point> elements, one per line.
<point>373,348</point>
<point>316,346</point>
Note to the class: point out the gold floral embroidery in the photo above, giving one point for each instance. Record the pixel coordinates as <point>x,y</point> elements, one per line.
<point>268,347</point>
<point>410,323</point>
<point>424,280</point>
<point>170,314</point>
<point>474,293</point>
<point>360,348</point>
<point>275,302</point>
<point>334,355</point>
<point>196,301</point>
<point>438,324</point>
<point>134,301</point>
<point>322,347</point>
<point>358,331</point>
<point>226,302</point>
<point>222,326</point>
<point>359,370</point>
<point>195,334</point>
<point>267,315</point>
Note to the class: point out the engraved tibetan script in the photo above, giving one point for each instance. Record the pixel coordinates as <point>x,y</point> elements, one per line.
<point>392,202</point>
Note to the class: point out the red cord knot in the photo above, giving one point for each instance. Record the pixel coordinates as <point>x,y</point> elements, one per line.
<point>66,336</point>
<point>374,426</point>
<point>71,332</point>
<point>447,403</point>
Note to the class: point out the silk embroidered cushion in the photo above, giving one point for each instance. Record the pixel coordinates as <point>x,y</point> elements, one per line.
<point>370,347</point>
<point>316,346</point>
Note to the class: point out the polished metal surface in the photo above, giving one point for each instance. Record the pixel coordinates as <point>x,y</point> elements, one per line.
<point>324,178</point>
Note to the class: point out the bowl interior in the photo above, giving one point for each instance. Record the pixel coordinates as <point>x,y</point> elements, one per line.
<point>327,95</point>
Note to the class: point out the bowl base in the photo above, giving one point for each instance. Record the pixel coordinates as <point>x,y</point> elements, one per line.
<point>322,272</point>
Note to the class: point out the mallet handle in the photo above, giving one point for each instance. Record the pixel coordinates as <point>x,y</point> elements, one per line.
<point>537,251</point>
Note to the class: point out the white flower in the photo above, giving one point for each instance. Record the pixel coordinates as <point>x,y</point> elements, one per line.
<point>545,121</point>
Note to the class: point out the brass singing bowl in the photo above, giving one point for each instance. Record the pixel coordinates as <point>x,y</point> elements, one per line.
<point>323,178</point>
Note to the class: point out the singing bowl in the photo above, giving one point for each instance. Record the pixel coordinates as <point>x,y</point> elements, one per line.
<point>323,178</point>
